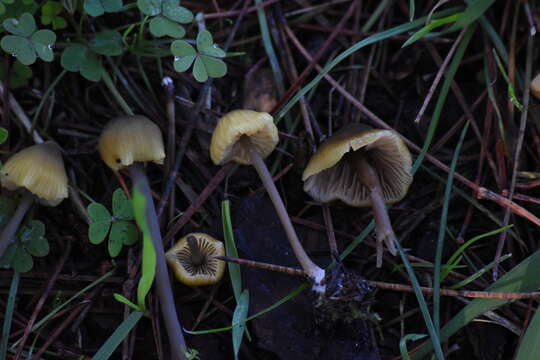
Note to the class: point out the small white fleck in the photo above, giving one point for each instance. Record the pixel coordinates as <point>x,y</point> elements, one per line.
<point>14,55</point>
<point>50,46</point>
<point>176,58</point>
<point>166,81</point>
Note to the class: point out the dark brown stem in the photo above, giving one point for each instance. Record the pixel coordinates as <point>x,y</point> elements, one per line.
<point>163,283</point>
<point>312,270</point>
<point>197,256</point>
<point>368,176</point>
<point>330,230</point>
<point>8,234</point>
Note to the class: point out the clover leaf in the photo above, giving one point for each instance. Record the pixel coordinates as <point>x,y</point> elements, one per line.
<point>25,43</point>
<point>100,7</point>
<point>19,75</point>
<point>120,227</point>
<point>31,242</point>
<point>168,15</point>
<point>49,15</point>
<point>205,60</point>
<point>107,42</point>
<point>3,7</point>
<point>80,58</point>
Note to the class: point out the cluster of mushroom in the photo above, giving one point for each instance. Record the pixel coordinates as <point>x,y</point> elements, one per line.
<point>358,165</point>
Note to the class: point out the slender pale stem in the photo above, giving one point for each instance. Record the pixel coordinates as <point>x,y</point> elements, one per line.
<point>383,227</point>
<point>163,283</point>
<point>312,270</point>
<point>8,234</point>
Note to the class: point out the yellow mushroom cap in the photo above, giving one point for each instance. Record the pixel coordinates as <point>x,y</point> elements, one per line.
<point>40,170</point>
<point>328,178</point>
<point>535,86</point>
<point>208,272</point>
<point>258,126</point>
<point>128,139</point>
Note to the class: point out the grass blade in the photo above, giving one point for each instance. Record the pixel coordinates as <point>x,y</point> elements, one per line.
<point>8,315</point>
<point>474,10</point>
<point>530,346</point>
<point>441,100</point>
<point>429,27</point>
<point>107,349</point>
<point>452,262</point>
<point>403,344</point>
<point>412,9</point>
<point>239,317</point>
<point>359,45</point>
<point>442,232</point>
<point>230,250</point>
<point>479,273</point>
<point>421,303</point>
<point>521,278</point>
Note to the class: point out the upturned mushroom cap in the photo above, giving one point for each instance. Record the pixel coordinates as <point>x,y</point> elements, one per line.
<point>259,127</point>
<point>129,139</point>
<point>535,86</point>
<point>209,271</point>
<point>40,170</point>
<point>329,177</point>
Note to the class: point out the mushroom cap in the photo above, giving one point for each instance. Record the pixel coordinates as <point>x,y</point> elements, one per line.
<point>535,86</point>
<point>209,272</point>
<point>40,170</point>
<point>128,139</point>
<point>327,177</point>
<point>258,126</point>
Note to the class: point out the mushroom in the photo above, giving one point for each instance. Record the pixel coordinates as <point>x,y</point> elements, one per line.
<point>247,137</point>
<point>38,171</point>
<point>193,261</point>
<point>362,167</point>
<point>127,142</point>
<point>535,86</point>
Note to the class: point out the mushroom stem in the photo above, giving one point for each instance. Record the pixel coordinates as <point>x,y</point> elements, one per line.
<point>314,272</point>
<point>369,178</point>
<point>163,284</point>
<point>197,256</point>
<point>8,234</point>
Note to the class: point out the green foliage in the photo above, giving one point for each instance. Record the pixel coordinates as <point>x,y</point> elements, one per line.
<point>79,58</point>
<point>403,344</point>
<point>3,135</point>
<point>167,17</point>
<point>100,7</point>
<point>30,241</point>
<point>108,42</point>
<point>457,256</point>
<point>241,297</point>
<point>239,317</point>
<point>84,59</point>
<point>19,75</point>
<point>205,60</point>
<point>149,253</point>
<point>108,348</point>
<point>119,226</point>
<point>49,15</point>
<point>25,43</point>
<point>14,9</point>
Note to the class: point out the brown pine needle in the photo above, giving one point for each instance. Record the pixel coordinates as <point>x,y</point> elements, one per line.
<point>393,286</point>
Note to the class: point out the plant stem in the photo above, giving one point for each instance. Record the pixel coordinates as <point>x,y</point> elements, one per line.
<point>163,283</point>
<point>312,270</point>
<point>383,227</point>
<point>116,94</point>
<point>8,234</point>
